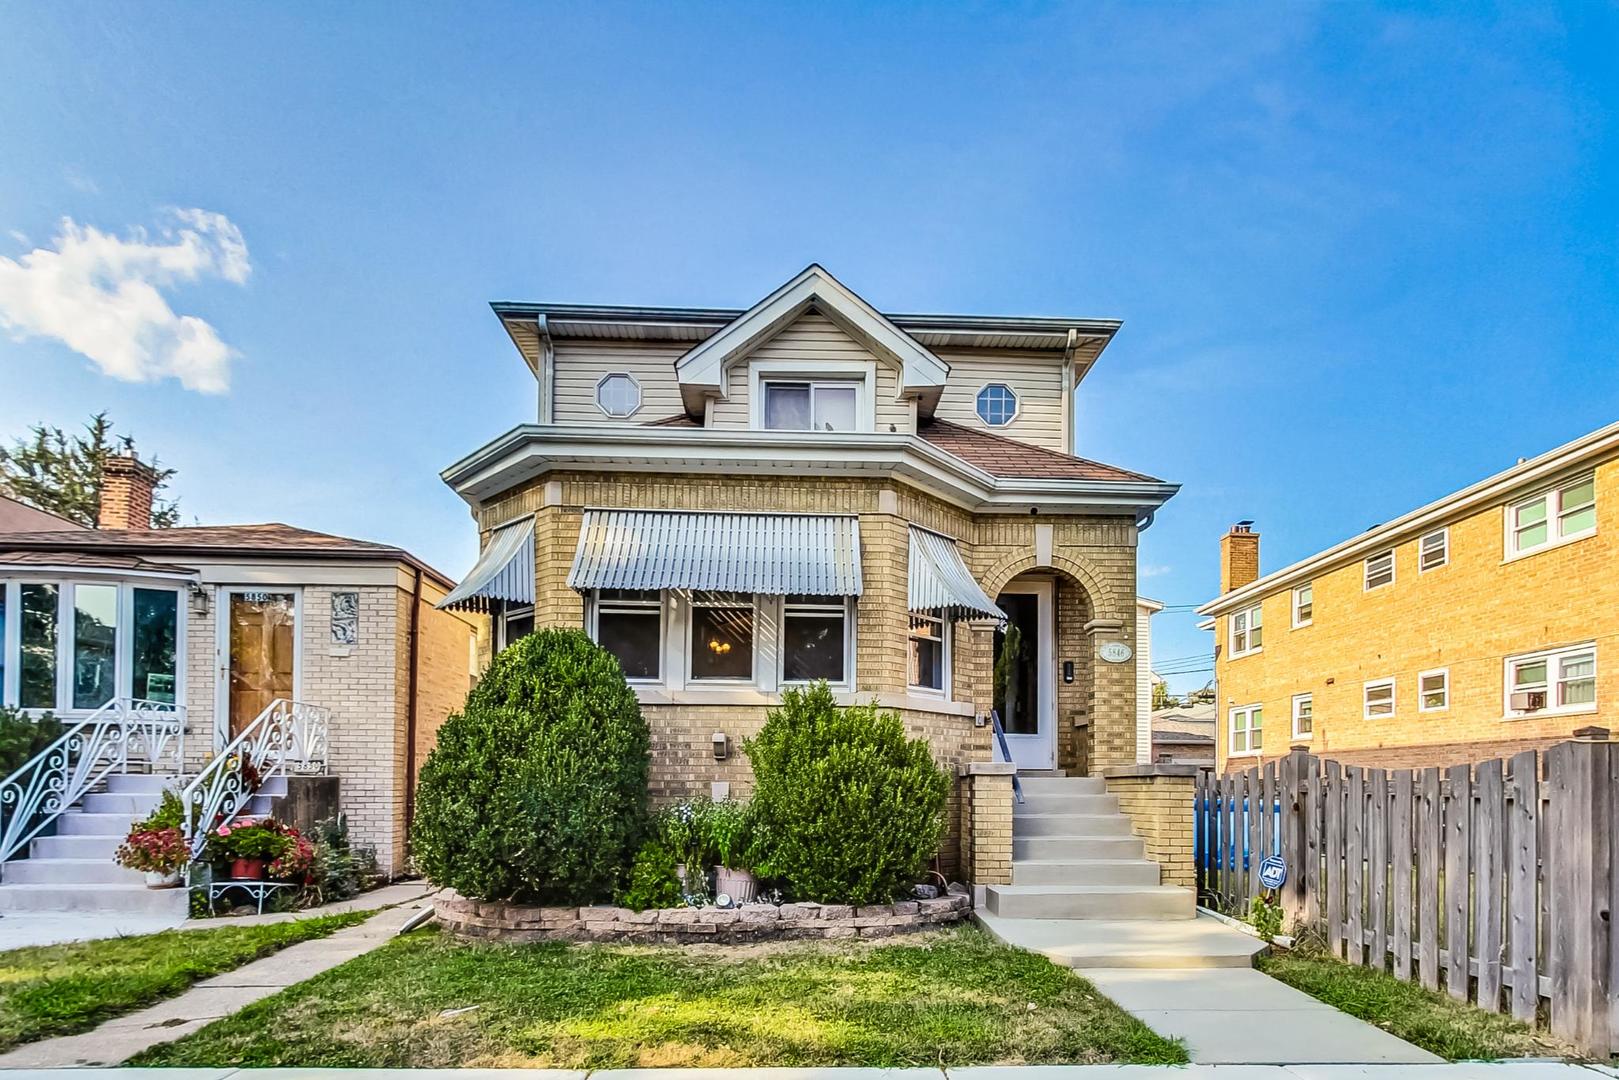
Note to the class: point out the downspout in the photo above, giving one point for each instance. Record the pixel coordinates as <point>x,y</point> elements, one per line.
<point>547,372</point>
<point>1068,388</point>
<point>410,707</point>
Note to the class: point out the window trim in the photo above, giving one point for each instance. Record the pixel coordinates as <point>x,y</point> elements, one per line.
<point>1297,699</point>
<point>945,682</point>
<point>66,639</point>
<point>1555,511</point>
<point>863,373</point>
<point>1394,698</point>
<point>661,603</point>
<point>1444,549</point>
<point>507,613</point>
<point>640,395</point>
<point>1231,730</point>
<point>1248,631</point>
<point>1298,623</point>
<point>752,678</point>
<point>1017,404</point>
<point>834,603</point>
<point>1422,695</point>
<point>1553,658</point>
<point>1366,571</point>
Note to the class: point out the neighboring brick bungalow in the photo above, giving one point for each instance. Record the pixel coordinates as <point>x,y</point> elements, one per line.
<point>737,500</point>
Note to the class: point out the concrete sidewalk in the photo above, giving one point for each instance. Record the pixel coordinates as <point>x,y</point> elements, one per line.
<point>123,1037</point>
<point>1508,1070</point>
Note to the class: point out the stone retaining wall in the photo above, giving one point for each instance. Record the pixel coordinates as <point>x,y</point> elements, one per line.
<point>487,920</point>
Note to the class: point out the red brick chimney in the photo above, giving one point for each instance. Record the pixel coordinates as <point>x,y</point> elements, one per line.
<point>1239,557</point>
<point>127,484</point>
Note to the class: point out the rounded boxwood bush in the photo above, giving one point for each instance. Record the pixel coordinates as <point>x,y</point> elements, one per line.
<point>537,790</point>
<point>846,809</point>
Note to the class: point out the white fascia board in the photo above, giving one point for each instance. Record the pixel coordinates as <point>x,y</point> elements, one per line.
<point>21,571</point>
<point>531,449</point>
<point>1487,492</point>
<point>702,369</point>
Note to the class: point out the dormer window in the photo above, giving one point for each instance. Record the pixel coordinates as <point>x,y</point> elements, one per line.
<point>997,404</point>
<point>618,394</point>
<point>811,406</point>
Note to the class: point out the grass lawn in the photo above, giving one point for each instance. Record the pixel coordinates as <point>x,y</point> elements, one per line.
<point>48,990</point>
<point>1434,1021</point>
<point>950,997</point>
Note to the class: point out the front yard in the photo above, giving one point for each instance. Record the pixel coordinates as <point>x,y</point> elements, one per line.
<point>49,990</point>
<point>944,998</point>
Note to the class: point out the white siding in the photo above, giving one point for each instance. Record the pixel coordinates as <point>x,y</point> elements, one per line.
<point>1036,378</point>
<point>810,340</point>
<point>581,364</point>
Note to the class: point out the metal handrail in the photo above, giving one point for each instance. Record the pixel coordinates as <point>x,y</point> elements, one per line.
<point>122,731</point>
<point>1006,752</point>
<point>288,736</point>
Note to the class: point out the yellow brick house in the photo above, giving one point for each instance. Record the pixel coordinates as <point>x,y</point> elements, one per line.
<point>1474,627</point>
<point>737,500</point>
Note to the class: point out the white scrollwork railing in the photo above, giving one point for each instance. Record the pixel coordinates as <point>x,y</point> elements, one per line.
<point>288,736</point>
<point>123,732</point>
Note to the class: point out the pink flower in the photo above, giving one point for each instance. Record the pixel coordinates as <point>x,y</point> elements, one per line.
<point>223,830</point>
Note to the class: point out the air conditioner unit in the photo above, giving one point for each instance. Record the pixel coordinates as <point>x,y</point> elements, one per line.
<point>1528,700</point>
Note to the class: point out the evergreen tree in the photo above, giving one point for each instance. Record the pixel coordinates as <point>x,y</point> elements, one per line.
<point>61,473</point>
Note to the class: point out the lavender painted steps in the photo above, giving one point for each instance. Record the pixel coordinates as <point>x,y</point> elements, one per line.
<point>72,868</point>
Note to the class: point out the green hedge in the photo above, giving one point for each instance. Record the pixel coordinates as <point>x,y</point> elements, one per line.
<point>537,790</point>
<point>847,810</point>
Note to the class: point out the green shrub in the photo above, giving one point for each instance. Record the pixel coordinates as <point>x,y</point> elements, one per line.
<point>339,869</point>
<point>536,791</point>
<point>22,736</point>
<point>653,883</point>
<point>682,830</point>
<point>846,809</point>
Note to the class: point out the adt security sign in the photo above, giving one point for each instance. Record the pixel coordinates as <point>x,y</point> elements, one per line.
<point>1272,872</point>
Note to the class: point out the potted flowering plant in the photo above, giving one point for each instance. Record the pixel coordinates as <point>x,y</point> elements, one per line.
<point>729,827</point>
<point>156,846</point>
<point>250,845</point>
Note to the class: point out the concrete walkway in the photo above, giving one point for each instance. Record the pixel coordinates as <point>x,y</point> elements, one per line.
<point>1508,1070</point>
<point>19,929</point>
<point>121,1038</point>
<point>1194,979</point>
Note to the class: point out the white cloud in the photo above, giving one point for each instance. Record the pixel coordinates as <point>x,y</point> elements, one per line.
<point>102,296</point>
<point>1153,571</point>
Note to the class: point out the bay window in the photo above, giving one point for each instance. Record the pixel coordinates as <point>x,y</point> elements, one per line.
<point>73,646</point>
<point>720,636</point>
<point>629,624</point>
<point>814,639</point>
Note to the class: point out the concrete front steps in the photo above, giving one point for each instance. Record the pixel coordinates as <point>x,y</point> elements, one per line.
<point>71,868</point>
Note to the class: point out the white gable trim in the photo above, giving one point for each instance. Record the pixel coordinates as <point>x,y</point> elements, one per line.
<point>701,372</point>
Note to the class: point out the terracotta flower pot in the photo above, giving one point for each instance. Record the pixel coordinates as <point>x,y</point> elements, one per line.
<point>247,869</point>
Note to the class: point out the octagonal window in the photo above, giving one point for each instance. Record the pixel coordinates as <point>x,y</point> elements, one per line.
<point>997,404</point>
<point>618,394</point>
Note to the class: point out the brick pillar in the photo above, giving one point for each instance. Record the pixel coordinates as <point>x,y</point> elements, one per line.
<point>127,484</point>
<point>986,823</point>
<point>1113,696</point>
<point>1159,802</point>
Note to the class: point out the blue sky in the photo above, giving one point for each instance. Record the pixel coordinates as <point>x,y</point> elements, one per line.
<point>1364,255</point>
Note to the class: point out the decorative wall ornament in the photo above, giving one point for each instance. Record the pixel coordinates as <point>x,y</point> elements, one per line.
<point>345,618</point>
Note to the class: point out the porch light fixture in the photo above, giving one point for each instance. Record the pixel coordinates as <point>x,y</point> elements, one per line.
<point>199,598</point>
<point>722,746</point>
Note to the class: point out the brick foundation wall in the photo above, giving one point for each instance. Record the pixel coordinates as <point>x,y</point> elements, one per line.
<point>1159,802</point>
<point>986,823</point>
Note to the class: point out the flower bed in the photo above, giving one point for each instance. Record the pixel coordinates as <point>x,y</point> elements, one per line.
<point>493,920</point>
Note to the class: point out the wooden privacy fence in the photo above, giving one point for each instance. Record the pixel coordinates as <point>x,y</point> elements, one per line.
<point>1495,882</point>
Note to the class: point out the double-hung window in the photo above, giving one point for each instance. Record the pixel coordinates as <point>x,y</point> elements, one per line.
<point>1433,550</point>
<point>629,624</point>
<point>1433,690</point>
<point>515,623</point>
<point>720,633</point>
<point>1564,513</point>
<point>1246,730</point>
<point>1377,699</point>
<point>76,645</point>
<point>928,660</point>
<point>1379,570</point>
<point>1303,715</point>
<point>1304,605</point>
<point>814,638</point>
<point>1247,631</point>
<point>800,405</point>
<point>1558,680</point>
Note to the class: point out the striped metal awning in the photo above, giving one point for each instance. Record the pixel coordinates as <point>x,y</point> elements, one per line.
<point>940,580</point>
<point>774,554</point>
<point>505,571</point>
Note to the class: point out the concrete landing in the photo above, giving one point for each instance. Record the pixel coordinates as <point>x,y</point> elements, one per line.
<point>1104,943</point>
<point>1248,1018</point>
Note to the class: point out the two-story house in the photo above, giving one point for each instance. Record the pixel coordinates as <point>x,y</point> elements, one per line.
<point>1477,626</point>
<point>734,501</point>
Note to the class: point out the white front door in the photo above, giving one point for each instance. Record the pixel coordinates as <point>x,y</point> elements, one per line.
<point>1025,674</point>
